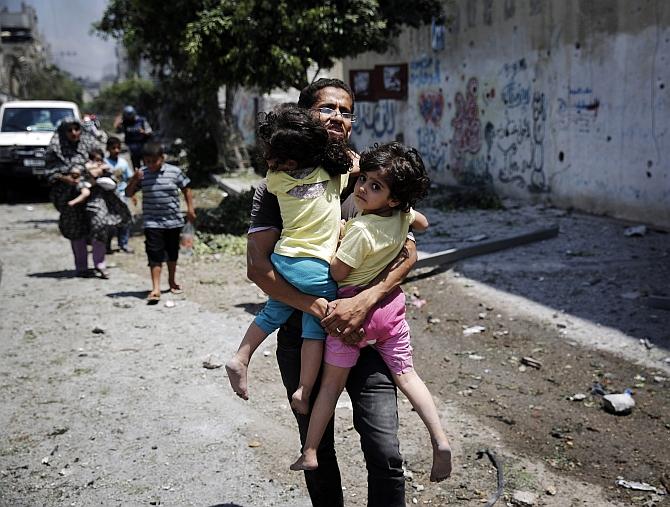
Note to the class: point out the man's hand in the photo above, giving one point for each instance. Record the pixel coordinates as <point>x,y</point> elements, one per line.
<point>344,319</point>
<point>137,175</point>
<point>190,216</point>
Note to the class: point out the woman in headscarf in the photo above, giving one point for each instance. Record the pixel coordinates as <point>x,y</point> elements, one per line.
<point>89,221</point>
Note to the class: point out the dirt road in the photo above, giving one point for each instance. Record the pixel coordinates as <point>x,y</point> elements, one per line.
<point>105,399</point>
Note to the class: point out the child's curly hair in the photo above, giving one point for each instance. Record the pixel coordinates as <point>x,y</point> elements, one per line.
<point>402,169</point>
<point>293,133</point>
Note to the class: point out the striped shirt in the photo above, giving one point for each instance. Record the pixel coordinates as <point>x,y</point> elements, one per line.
<point>160,197</point>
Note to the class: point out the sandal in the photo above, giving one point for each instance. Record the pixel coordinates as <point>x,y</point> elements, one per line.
<point>153,298</point>
<point>102,273</point>
<point>176,289</point>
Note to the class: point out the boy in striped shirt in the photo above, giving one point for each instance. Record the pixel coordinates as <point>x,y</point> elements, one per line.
<point>160,184</point>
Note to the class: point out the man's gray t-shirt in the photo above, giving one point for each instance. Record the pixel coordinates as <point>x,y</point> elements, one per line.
<point>160,197</point>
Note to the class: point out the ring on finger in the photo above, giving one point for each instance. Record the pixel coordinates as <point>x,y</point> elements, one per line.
<point>338,330</point>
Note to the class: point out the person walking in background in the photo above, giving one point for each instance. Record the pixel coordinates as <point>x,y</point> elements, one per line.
<point>121,172</point>
<point>136,131</point>
<point>87,221</point>
<point>160,184</point>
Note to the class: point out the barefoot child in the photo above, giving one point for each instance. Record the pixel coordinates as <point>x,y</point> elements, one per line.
<point>160,184</point>
<point>392,179</point>
<point>307,173</point>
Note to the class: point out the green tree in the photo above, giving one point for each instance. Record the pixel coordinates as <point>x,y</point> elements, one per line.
<point>197,46</point>
<point>140,93</point>
<point>51,83</point>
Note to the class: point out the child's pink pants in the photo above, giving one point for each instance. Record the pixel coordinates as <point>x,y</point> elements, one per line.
<point>385,329</point>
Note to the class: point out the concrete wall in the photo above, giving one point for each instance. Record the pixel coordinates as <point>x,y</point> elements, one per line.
<point>564,101</point>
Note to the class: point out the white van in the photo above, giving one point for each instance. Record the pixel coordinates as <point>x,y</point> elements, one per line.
<point>26,127</point>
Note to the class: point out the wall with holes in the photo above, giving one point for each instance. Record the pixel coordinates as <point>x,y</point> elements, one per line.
<point>561,101</point>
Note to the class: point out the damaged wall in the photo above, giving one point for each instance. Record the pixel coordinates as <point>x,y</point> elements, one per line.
<point>564,101</point>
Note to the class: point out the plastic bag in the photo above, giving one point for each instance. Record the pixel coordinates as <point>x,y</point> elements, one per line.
<point>186,239</point>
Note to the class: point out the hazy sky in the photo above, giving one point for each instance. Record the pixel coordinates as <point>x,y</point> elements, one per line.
<point>65,25</point>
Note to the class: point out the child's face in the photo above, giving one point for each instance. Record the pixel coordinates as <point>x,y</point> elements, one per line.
<point>114,151</point>
<point>372,193</point>
<point>153,163</point>
<point>97,158</point>
<point>75,173</point>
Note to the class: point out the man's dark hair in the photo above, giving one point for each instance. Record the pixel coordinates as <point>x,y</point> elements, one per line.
<point>308,94</point>
<point>293,133</point>
<point>401,168</point>
<point>113,141</point>
<point>152,149</point>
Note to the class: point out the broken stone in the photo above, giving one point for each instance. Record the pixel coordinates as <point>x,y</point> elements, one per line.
<point>524,498</point>
<point>577,397</point>
<point>473,330</point>
<point>533,363</point>
<point>211,365</point>
<point>638,486</point>
<point>550,490</point>
<point>254,443</point>
<point>618,403</point>
<point>98,330</point>
<point>637,230</point>
<point>170,304</point>
<point>433,320</point>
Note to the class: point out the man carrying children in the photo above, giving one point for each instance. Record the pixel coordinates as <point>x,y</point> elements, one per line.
<point>370,385</point>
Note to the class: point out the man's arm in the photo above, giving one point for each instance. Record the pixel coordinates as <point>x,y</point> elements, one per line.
<point>349,314</point>
<point>260,245</point>
<point>190,210</point>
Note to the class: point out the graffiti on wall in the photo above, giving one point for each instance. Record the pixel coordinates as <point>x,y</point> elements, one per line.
<point>515,93</point>
<point>466,122</point>
<point>509,9</point>
<point>487,14</point>
<point>536,7</point>
<point>468,164</point>
<point>431,106</point>
<point>521,143</point>
<point>376,119</point>
<point>471,14</point>
<point>579,109</point>
<point>424,71</point>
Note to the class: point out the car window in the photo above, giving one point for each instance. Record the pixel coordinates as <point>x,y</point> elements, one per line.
<point>33,119</point>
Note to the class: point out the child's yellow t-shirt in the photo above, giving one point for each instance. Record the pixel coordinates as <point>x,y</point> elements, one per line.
<point>370,243</point>
<point>310,211</point>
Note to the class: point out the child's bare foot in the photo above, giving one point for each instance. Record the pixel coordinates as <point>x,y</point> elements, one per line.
<point>237,376</point>
<point>441,462</point>
<point>305,462</point>
<point>300,403</point>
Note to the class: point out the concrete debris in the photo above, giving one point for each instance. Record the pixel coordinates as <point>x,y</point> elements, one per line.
<point>639,486</point>
<point>473,330</point>
<point>577,397</point>
<point>533,363</point>
<point>620,404</point>
<point>211,365</point>
<point>647,344</point>
<point>550,490</point>
<point>524,498</point>
<point>98,330</point>
<point>637,230</point>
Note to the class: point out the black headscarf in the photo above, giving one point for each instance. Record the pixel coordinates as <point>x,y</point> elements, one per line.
<point>62,154</point>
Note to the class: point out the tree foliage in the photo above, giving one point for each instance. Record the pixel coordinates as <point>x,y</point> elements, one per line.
<point>51,83</point>
<point>197,46</point>
<point>141,93</point>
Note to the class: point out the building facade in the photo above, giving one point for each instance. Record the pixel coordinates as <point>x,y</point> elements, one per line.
<point>560,101</point>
